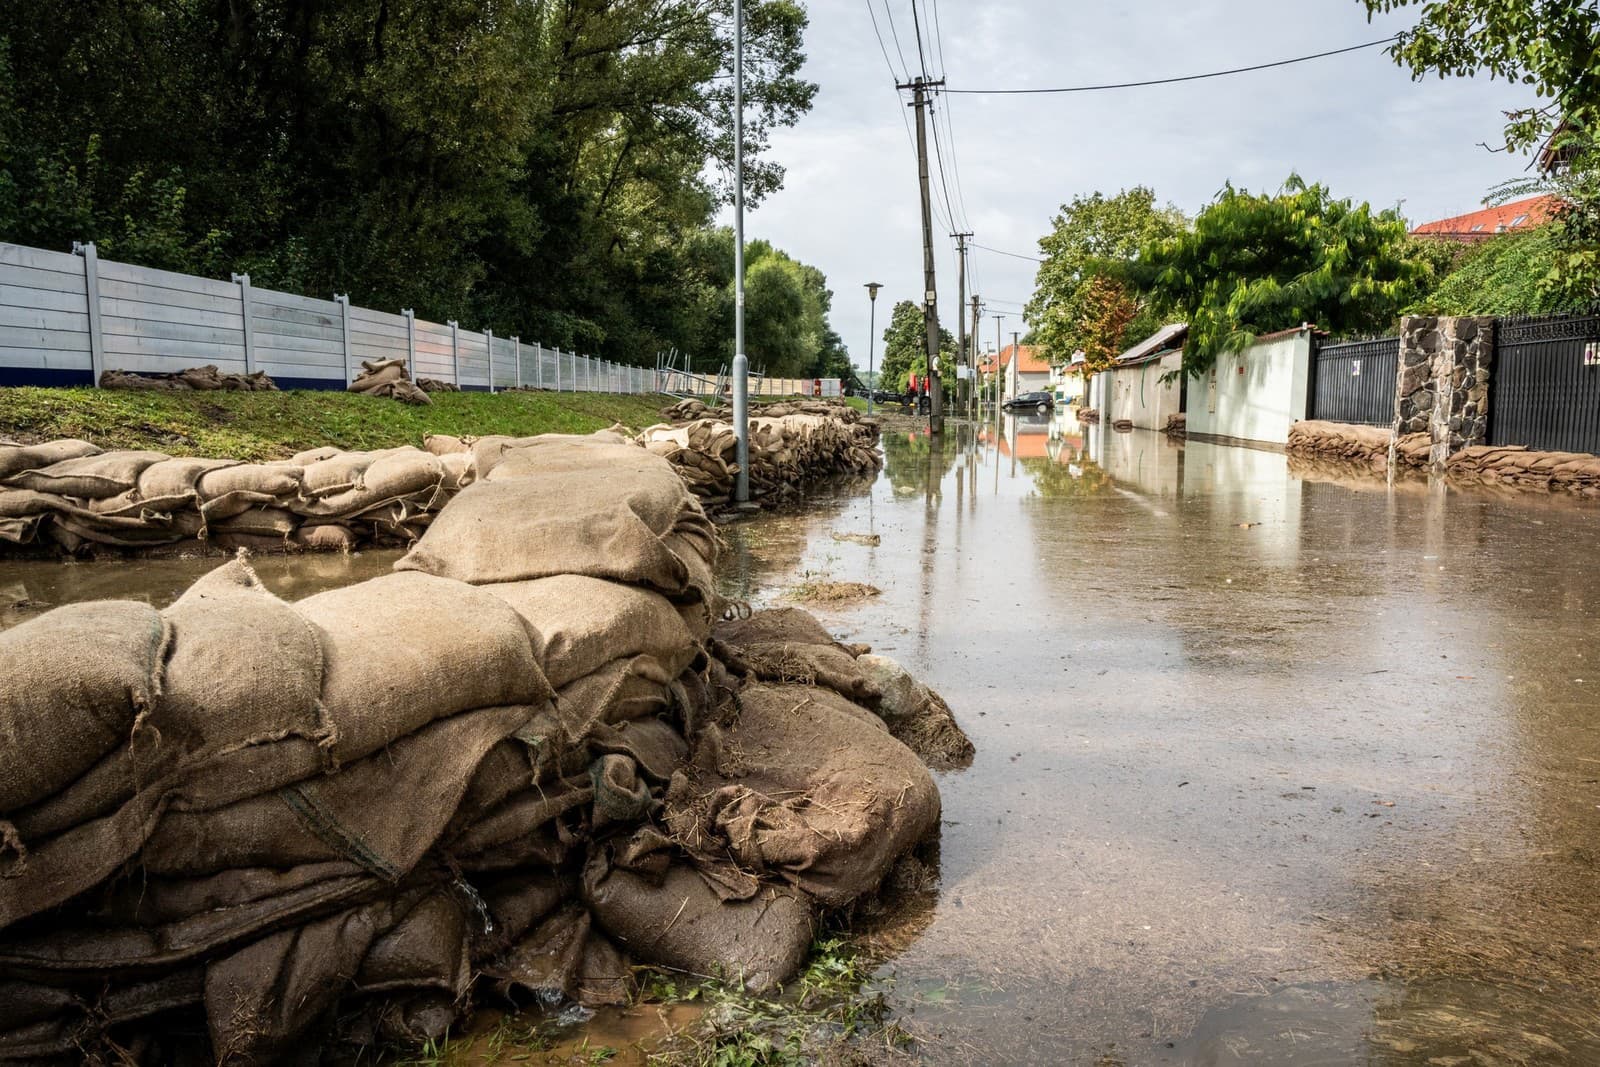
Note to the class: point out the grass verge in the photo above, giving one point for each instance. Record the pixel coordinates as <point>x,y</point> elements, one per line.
<point>262,426</point>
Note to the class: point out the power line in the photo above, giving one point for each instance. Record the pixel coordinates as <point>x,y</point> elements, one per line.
<point>1183,78</point>
<point>922,57</point>
<point>1003,252</point>
<point>887,14</point>
<point>881,46</point>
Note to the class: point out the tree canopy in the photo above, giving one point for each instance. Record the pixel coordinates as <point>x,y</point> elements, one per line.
<point>1081,301</point>
<point>905,346</point>
<point>1256,263</point>
<point>548,169</point>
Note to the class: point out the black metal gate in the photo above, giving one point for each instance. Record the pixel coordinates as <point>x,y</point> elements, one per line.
<point>1354,381</point>
<point>1545,384</point>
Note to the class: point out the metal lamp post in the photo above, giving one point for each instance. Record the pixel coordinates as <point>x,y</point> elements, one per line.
<point>872,336</point>
<point>741,363</point>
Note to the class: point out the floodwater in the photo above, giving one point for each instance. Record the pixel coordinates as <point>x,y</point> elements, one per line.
<point>1271,769</point>
<point>1275,766</point>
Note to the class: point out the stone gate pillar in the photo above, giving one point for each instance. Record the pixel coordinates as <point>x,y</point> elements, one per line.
<point>1443,384</point>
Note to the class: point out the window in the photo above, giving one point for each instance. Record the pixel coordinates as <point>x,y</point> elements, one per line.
<point>1476,229</point>
<point>1518,221</point>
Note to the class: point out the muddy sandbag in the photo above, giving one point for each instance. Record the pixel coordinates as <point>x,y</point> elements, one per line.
<point>680,922</point>
<point>406,649</point>
<point>15,458</point>
<point>813,790</point>
<point>88,477</point>
<point>579,624</point>
<point>73,685</point>
<point>629,687</point>
<point>327,537</point>
<point>917,716</point>
<point>582,507</point>
<point>426,949</point>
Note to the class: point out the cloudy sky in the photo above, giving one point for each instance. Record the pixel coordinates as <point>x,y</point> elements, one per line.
<point>1356,122</point>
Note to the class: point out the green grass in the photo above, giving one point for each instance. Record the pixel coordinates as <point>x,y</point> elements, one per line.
<point>261,426</point>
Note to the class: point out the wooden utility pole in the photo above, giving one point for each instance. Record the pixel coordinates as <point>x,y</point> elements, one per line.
<point>930,296</point>
<point>972,356</point>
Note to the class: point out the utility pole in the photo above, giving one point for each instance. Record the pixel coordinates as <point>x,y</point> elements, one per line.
<point>997,368</point>
<point>972,357</point>
<point>741,362</point>
<point>930,296</point>
<point>961,303</point>
<point>1016,355</point>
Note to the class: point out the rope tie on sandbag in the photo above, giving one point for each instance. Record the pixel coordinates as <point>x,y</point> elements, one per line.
<point>330,832</point>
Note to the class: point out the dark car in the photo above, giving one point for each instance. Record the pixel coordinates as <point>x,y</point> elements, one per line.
<point>1043,401</point>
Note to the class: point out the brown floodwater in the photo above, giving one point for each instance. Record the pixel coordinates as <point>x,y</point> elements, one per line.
<point>1276,764</point>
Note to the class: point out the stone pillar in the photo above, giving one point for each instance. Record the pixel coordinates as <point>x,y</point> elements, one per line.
<point>1443,384</point>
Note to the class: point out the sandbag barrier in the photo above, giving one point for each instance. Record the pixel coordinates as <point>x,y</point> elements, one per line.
<point>74,496</point>
<point>541,751</point>
<point>199,379</point>
<point>1511,466</point>
<point>791,443</point>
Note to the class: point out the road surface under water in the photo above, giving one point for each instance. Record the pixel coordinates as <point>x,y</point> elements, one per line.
<point>1270,769</point>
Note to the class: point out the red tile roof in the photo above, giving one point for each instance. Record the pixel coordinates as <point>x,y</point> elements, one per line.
<point>1478,225</point>
<point>1032,360</point>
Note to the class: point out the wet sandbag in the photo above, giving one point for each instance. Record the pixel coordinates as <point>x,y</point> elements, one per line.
<point>89,477</point>
<point>406,649</point>
<point>245,668</point>
<point>165,486</point>
<point>581,623</point>
<point>680,922</point>
<point>631,687</point>
<point>73,684</point>
<point>822,795</point>
<point>15,458</point>
<point>425,950</point>
<point>917,716</point>
<point>230,490</point>
<point>600,510</point>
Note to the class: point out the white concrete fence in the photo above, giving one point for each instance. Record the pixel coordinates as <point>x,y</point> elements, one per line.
<point>65,318</point>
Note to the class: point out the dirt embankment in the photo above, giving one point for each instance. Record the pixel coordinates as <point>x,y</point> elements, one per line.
<point>540,753</point>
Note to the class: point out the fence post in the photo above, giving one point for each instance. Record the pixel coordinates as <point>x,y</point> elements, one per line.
<point>245,301</point>
<point>488,337</point>
<point>516,346</point>
<point>91,290</point>
<point>538,365</point>
<point>343,300</point>
<point>411,340</point>
<point>455,351</point>
<point>558,368</point>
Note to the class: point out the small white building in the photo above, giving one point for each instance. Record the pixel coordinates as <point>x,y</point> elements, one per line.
<point>1023,369</point>
<point>1146,384</point>
<point>1254,396</point>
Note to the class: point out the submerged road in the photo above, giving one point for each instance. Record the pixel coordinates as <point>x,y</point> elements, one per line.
<point>1271,769</point>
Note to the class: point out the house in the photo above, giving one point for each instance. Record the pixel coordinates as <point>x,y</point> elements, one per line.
<point>1146,385</point>
<point>1023,369</point>
<point>1478,226</point>
<point>1067,381</point>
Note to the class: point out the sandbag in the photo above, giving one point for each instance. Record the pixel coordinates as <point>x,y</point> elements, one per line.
<point>917,716</point>
<point>680,922</point>
<point>88,477</point>
<point>73,684</point>
<point>406,649</point>
<point>15,458</point>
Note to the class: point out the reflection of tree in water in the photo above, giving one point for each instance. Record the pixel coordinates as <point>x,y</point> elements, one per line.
<point>913,462</point>
<point>1070,474</point>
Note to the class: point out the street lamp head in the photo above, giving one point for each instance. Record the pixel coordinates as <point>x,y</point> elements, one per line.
<point>872,291</point>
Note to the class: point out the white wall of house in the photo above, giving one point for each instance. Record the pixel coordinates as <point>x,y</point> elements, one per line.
<point>1017,384</point>
<point>1138,394</point>
<point>1254,395</point>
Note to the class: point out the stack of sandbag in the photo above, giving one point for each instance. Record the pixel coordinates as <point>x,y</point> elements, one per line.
<point>1367,445</point>
<point>1177,425</point>
<point>1089,415</point>
<point>240,830</point>
<point>438,385</point>
<point>388,377</point>
<point>73,494</point>
<point>786,451</point>
<point>685,410</point>
<point>1521,468</point>
<point>204,379</point>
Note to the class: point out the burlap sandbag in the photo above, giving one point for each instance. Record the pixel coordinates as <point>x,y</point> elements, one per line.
<point>15,458</point>
<point>88,477</point>
<point>628,688</point>
<point>563,958</point>
<point>73,683</point>
<point>681,923</point>
<point>917,716</point>
<point>406,649</point>
<point>581,623</point>
<point>815,791</point>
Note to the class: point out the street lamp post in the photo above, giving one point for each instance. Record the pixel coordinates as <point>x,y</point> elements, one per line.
<point>741,362</point>
<point>872,336</point>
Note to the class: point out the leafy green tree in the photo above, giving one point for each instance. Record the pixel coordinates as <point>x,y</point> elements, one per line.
<point>1551,45</point>
<point>905,346</point>
<point>1504,275</point>
<point>1093,238</point>
<point>1255,263</point>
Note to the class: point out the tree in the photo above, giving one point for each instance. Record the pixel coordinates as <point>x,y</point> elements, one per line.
<point>1552,45</point>
<point>905,346</point>
<point>1093,238</point>
<point>1254,264</point>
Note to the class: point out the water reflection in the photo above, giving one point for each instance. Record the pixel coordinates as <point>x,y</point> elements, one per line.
<point>1271,769</point>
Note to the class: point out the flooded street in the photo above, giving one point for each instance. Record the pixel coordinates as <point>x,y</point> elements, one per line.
<point>1269,770</point>
<point>1273,766</point>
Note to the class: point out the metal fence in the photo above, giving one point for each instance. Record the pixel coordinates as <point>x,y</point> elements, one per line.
<point>1354,381</point>
<point>1545,385</point>
<point>67,318</point>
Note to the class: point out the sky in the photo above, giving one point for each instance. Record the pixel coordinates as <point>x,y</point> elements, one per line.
<point>1356,122</point>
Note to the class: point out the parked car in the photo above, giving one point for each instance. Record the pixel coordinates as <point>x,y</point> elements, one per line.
<point>1043,401</point>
